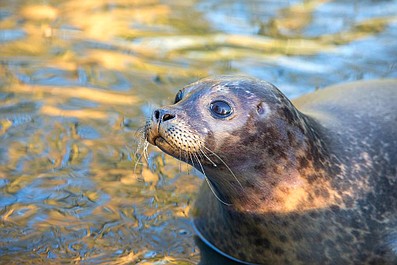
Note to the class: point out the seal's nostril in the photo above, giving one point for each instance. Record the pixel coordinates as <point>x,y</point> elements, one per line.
<point>157,114</point>
<point>167,117</point>
<point>161,115</point>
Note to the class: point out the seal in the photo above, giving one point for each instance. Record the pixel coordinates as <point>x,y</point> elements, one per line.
<point>313,181</point>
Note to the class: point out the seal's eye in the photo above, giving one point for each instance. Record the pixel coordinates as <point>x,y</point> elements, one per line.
<point>220,108</point>
<point>178,96</point>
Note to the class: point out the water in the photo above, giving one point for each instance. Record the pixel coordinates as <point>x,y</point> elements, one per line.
<point>77,79</point>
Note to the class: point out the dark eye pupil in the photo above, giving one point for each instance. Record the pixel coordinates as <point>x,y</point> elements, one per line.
<point>178,96</point>
<point>220,108</point>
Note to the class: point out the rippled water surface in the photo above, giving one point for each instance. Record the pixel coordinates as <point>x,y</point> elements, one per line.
<point>77,79</point>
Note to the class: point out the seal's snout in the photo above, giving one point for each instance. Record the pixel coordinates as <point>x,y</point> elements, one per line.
<point>158,124</point>
<point>161,115</point>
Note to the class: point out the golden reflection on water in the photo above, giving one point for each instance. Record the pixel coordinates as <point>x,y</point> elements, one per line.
<point>77,79</point>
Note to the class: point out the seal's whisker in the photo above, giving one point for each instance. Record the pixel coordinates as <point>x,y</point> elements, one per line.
<point>136,166</point>
<point>228,168</point>
<point>213,191</point>
<point>180,160</point>
<point>145,151</point>
<point>140,149</point>
<point>199,156</point>
<point>141,152</point>
<point>209,159</point>
<point>140,131</point>
<point>138,161</point>
<point>209,182</point>
<point>191,159</point>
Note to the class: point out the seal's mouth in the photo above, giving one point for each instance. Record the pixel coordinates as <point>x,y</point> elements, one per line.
<point>158,140</point>
<point>152,134</point>
<point>163,144</point>
<point>173,140</point>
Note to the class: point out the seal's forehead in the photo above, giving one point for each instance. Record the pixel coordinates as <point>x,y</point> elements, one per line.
<point>237,85</point>
<point>210,89</point>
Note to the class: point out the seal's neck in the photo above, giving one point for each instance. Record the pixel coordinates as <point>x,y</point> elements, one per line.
<point>275,170</point>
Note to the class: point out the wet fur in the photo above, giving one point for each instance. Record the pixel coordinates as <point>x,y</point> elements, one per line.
<point>312,185</point>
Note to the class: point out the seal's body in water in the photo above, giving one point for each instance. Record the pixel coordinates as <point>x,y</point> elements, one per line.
<point>313,182</point>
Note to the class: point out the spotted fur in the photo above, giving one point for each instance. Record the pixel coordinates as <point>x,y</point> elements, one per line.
<point>314,182</point>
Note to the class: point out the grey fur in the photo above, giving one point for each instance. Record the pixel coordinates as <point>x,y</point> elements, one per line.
<point>313,182</point>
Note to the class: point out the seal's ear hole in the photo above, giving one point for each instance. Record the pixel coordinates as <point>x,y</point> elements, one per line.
<point>262,109</point>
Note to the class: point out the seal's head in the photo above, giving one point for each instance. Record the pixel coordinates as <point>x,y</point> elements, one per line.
<point>223,126</point>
